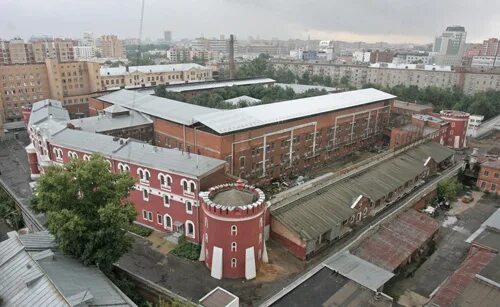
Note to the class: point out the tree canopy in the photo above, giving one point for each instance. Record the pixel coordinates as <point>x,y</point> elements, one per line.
<point>86,209</point>
<point>449,189</point>
<point>216,99</point>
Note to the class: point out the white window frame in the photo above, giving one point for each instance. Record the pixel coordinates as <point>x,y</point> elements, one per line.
<point>187,207</point>
<point>166,179</point>
<point>150,216</point>
<point>145,194</point>
<point>165,224</point>
<point>86,157</point>
<point>166,197</point>
<point>144,215</point>
<point>234,246</point>
<point>159,219</point>
<point>193,235</point>
<point>234,230</point>
<point>234,263</point>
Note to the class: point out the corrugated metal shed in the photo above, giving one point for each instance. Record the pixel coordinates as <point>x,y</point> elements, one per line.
<point>255,116</point>
<point>395,241</point>
<point>359,270</point>
<point>314,214</point>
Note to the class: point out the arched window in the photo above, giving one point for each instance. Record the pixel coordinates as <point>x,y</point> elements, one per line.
<point>86,157</point>
<point>192,187</point>
<point>189,229</point>
<point>233,262</point>
<point>166,200</point>
<point>169,181</point>
<point>168,222</point>
<point>141,174</point>
<point>185,185</point>
<point>234,230</point>
<point>234,246</point>
<point>162,179</point>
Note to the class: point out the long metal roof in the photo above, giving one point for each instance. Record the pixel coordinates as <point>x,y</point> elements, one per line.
<point>171,110</point>
<point>106,122</point>
<point>359,270</point>
<point>239,119</point>
<point>136,152</point>
<point>122,70</point>
<point>321,209</point>
<point>197,86</point>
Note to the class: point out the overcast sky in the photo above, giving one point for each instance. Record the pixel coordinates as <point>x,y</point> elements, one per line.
<point>395,21</point>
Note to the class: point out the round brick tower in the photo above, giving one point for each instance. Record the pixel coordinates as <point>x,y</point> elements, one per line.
<point>458,127</point>
<point>232,227</point>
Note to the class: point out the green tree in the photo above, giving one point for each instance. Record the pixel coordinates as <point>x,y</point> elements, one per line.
<point>86,209</point>
<point>449,188</point>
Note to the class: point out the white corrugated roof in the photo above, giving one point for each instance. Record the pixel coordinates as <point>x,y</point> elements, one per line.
<point>172,110</point>
<point>244,118</point>
<point>196,86</point>
<point>122,70</point>
<point>248,99</point>
<point>361,271</point>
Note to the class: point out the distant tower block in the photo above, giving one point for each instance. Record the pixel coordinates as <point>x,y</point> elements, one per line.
<point>232,218</point>
<point>458,127</point>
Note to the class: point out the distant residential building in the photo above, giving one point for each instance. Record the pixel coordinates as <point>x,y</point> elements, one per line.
<point>217,45</point>
<point>490,47</point>
<point>131,41</point>
<point>485,61</point>
<point>167,36</point>
<point>474,123</point>
<point>112,47</point>
<point>361,57</point>
<point>152,75</point>
<point>412,58</point>
<point>84,52</point>
<point>450,46</point>
<point>179,54</point>
<point>71,82</point>
<point>378,56</point>
<point>326,50</point>
<point>17,51</point>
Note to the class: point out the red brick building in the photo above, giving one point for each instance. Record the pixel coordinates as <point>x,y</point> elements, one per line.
<point>265,141</point>
<point>489,176</point>
<point>421,125</point>
<point>166,194</point>
<point>233,218</point>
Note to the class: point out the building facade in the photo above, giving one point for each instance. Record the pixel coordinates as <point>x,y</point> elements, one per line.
<point>449,47</point>
<point>167,180</point>
<point>17,51</point>
<point>489,176</point>
<point>111,47</point>
<point>474,123</point>
<point>233,218</point>
<point>152,75</point>
<point>265,141</point>
<point>471,80</point>
<point>71,82</point>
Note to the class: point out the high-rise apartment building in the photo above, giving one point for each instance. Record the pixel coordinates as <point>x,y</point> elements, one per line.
<point>84,52</point>
<point>71,82</point>
<point>112,47</point>
<point>449,48</point>
<point>16,51</point>
<point>490,47</point>
<point>167,36</point>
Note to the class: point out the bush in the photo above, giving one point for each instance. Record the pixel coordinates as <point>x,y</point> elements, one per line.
<point>186,249</point>
<point>139,230</point>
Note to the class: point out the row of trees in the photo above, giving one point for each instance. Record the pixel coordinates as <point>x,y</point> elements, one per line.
<point>483,103</point>
<point>216,99</point>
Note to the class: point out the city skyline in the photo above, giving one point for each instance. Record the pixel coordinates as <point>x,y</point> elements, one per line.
<point>333,20</point>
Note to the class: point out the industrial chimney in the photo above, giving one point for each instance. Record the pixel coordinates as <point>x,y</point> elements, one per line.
<point>232,67</point>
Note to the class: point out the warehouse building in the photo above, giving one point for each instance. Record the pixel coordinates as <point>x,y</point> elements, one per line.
<point>265,141</point>
<point>318,216</point>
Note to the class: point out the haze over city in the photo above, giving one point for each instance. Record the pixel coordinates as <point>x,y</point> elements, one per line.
<point>394,21</point>
<point>237,153</point>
